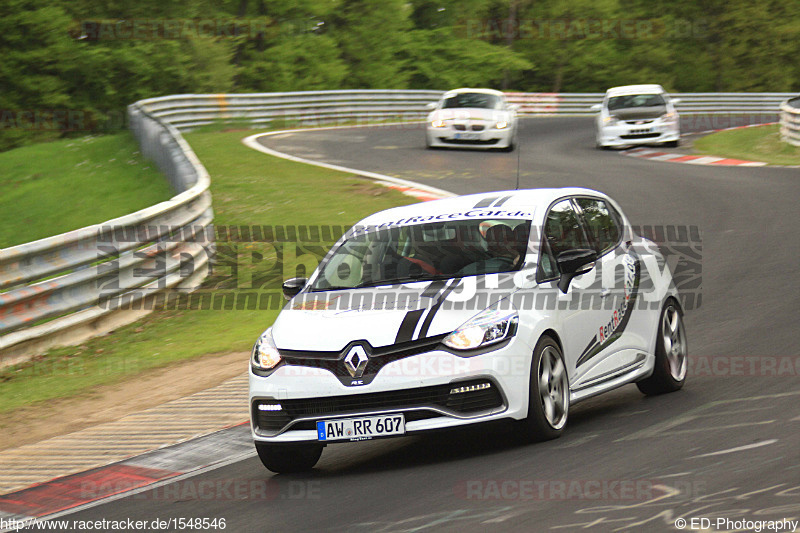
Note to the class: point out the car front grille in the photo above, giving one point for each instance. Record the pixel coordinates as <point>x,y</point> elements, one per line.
<point>639,135</point>
<point>473,127</point>
<point>469,141</point>
<point>464,398</point>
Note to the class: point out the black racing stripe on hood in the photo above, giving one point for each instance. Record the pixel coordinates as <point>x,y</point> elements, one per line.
<point>433,289</point>
<point>501,201</point>
<point>486,202</point>
<point>409,324</point>
<point>426,324</point>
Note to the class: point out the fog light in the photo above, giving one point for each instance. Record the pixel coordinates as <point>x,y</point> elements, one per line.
<point>471,388</point>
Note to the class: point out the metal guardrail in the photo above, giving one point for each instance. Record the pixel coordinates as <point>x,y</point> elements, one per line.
<point>318,107</point>
<point>52,291</point>
<point>790,121</point>
<point>690,104</point>
<point>324,107</point>
<point>60,290</point>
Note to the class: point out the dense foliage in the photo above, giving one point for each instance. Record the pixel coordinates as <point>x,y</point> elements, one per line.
<point>96,57</point>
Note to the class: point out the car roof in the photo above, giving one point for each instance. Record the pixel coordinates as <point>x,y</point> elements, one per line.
<point>635,89</point>
<point>468,90</point>
<point>513,204</point>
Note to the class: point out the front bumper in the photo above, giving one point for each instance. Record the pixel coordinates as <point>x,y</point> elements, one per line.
<point>421,387</point>
<point>626,134</point>
<point>489,137</point>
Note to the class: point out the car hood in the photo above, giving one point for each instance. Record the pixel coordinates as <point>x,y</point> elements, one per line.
<point>329,321</point>
<point>469,113</point>
<point>638,113</point>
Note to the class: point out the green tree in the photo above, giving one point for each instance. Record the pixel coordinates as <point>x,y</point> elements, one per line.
<point>372,35</point>
<point>439,59</point>
<point>35,67</point>
<point>299,62</point>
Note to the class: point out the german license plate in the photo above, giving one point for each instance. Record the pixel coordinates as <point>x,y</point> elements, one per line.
<point>361,428</point>
<point>468,136</point>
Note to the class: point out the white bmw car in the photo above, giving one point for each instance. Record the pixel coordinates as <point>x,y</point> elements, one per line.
<point>509,305</point>
<point>637,114</point>
<point>472,118</point>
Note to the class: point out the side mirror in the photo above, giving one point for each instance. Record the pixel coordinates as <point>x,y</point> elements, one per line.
<point>292,287</point>
<point>573,263</point>
<point>513,107</point>
<point>430,106</point>
<point>596,107</point>
<point>676,101</point>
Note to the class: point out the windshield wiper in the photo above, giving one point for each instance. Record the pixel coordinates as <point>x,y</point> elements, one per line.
<point>389,281</point>
<point>407,279</point>
<point>332,288</point>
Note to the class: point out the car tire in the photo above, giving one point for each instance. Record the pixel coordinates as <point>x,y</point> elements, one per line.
<point>288,459</point>
<point>672,354</point>
<point>671,144</point>
<point>548,394</point>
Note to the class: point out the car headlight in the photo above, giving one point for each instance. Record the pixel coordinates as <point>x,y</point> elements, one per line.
<point>265,354</point>
<point>501,125</point>
<point>668,116</point>
<point>610,120</point>
<point>486,328</point>
<point>437,124</point>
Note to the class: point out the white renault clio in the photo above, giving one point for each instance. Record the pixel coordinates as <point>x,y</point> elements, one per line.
<point>507,305</point>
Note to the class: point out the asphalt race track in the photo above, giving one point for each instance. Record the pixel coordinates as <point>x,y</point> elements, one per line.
<point>725,446</point>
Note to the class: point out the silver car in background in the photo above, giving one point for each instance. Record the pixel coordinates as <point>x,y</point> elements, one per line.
<point>636,114</point>
<point>472,118</point>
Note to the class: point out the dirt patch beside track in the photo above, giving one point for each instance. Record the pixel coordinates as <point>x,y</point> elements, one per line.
<point>111,402</point>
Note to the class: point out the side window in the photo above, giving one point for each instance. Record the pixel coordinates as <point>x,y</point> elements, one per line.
<point>603,226</point>
<point>562,232</point>
<point>548,269</point>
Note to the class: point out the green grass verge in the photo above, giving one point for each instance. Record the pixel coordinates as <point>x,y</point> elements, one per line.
<point>248,188</point>
<point>761,143</point>
<point>54,187</point>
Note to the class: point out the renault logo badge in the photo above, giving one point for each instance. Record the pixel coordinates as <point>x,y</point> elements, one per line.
<point>356,361</point>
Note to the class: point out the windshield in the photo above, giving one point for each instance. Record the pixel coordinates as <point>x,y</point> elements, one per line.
<point>473,100</point>
<point>635,100</point>
<point>426,252</point>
